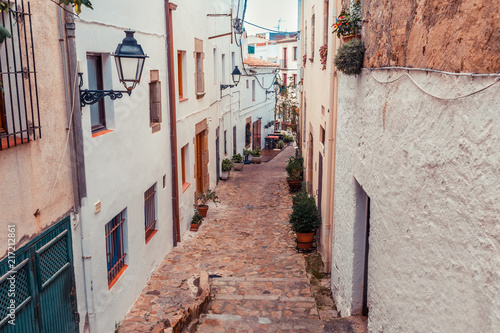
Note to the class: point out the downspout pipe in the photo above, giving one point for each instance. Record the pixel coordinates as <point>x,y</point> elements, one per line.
<point>81,188</point>
<point>173,120</point>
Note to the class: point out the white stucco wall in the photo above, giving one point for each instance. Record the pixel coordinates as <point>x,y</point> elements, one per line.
<point>123,164</point>
<point>430,168</point>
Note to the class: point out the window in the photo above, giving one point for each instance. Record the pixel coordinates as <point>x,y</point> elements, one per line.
<point>284,81</point>
<point>248,84</point>
<point>325,22</point>
<point>215,65</point>
<point>97,112</point>
<point>253,90</point>
<point>199,75</point>
<point>248,135</point>
<point>225,142</point>
<point>313,23</point>
<point>181,75</point>
<point>294,79</point>
<point>284,64</point>
<point>223,65</point>
<point>19,110</point>
<point>234,140</point>
<point>322,134</point>
<point>233,61</point>
<point>115,248</point>
<point>150,212</point>
<point>184,161</point>
<point>295,53</point>
<point>155,100</point>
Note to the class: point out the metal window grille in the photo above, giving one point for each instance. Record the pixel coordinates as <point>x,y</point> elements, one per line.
<point>150,211</point>
<point>19,109</point>
<point>115,246</point>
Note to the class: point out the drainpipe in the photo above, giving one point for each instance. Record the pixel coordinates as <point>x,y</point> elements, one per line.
<point>169,7</point>
<point>79,174</point>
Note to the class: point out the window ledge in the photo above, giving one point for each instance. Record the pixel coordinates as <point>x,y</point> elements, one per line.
<point>96,134</point>
<point>112,283</point>
<point>200,95</point>
<point>182,99</point>
<point>155,127</point>
<point>12,142</point>
<point>150,235</point>
<point>185,187</point>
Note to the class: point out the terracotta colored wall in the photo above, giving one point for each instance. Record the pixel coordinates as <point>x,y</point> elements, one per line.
<point>449,35</point>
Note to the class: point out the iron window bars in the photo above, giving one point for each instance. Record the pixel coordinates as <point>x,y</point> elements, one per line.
<point>115,246</point>
<point>19,108</point>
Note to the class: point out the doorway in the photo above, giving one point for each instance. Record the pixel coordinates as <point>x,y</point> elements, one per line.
<point>361,252</point>
<point>201,162</point>
<point>257,126</point>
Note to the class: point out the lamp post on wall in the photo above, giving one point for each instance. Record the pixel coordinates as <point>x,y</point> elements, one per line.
<point>129,58</point>
<point>236,76</point>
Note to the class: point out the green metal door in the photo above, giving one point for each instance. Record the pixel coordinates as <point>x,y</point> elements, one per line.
<point>41,286</point>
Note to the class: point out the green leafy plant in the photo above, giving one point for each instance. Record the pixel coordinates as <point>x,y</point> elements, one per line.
<point>256,152</point>
<point>197,217</point>
<point>349,21</point>
<point>237,158</point>
<point>280,144</point>
<point>305,216</point>
<point>207,196</point>
<point>227,165</point>
<point>295,167</point>
<point>349,58</point>
<point>247,152</point>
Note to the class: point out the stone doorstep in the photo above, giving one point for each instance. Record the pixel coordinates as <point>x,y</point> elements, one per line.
<point>219,281</point>
<point>265,298</point>
<point>296,324</point>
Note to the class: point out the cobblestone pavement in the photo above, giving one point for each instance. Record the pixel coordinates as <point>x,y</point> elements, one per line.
<point>258,279</point>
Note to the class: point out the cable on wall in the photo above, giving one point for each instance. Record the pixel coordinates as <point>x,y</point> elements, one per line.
<point>429,93</point>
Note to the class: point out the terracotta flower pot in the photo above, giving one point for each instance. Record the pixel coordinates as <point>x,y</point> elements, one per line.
<point>194,227</point>
<point>349,37</point>
<point>203,209</point>
<point>305,240</point>
<point>294,184</point>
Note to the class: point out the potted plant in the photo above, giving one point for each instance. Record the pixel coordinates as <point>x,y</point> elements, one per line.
<point>304,220</point>
<point>348,23</point>
<point>196,220</point>
<point>295,169</point>
<point>323,54</point>
<point>280,144</point>
<point>237,162</point>
<point>256,156</point>
<point>227,165</point>
<point>204,198</point>
<point>349,58</point>
<point>248,156</point>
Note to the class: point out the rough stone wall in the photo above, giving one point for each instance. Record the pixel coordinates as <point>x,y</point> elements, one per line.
<point>431,170</point>
<point>449,35</point>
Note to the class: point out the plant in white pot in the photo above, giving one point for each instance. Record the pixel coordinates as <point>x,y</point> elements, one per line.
<point>305,219</point>
<point>227,165</point>
<point>237,162</point>
<point>256,156</point>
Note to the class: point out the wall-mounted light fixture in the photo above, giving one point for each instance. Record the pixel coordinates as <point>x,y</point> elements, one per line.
<point>236,75</point>
<point>129,58</point>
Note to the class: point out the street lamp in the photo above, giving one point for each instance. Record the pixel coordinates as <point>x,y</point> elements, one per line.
<point>129,58</point>
<point>236,75</point>
<point>276,86</point>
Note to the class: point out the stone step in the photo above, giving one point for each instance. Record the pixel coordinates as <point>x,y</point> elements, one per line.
<point>265,287</point>
<point>237,323</point>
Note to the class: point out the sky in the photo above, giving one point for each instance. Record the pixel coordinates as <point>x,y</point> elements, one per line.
<point>266,13</point>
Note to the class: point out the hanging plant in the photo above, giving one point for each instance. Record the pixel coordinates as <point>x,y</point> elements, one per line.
<point>349,58</point>
<point>304,60</point>
<point>323,53</point>
<point>349,21</point>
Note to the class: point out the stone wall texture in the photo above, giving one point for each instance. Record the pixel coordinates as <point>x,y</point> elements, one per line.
<point>450,35</point>
<point>431,170</point>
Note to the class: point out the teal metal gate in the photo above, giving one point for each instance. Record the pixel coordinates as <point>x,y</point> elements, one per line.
<point>41,286</point>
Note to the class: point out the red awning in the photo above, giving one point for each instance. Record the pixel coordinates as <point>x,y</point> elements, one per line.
<point>273,137</point>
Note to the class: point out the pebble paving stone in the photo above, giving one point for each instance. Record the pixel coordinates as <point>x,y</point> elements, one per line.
<point>258,280</point>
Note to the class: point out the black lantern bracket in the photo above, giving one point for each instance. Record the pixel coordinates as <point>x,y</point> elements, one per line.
<point>128,55</point>
<point>89,97</point>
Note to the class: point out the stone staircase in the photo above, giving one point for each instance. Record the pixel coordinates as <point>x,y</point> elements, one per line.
<point>254,304</point>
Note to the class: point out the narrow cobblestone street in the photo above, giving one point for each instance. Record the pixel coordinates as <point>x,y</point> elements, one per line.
<point>258,280</point>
